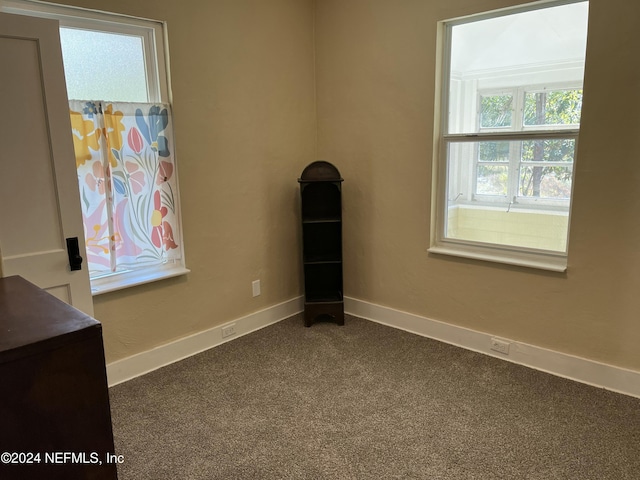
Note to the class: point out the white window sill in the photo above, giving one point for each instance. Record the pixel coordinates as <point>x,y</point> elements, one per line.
<point>119,281</point>
<point>541,261</point>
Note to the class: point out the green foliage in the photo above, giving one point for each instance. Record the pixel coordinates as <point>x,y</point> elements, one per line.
<point>494,152</point>
<point>555,107</point>
<point>556,179</point>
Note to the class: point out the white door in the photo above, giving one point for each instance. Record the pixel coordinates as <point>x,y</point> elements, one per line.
<point>39,198</point>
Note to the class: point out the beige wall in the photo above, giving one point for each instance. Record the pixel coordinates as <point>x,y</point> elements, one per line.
<point>244,106</point>
<point>245,113</point>
<point>376,81</point>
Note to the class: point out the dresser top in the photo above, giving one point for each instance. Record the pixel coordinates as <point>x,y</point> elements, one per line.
<point>32,320</point>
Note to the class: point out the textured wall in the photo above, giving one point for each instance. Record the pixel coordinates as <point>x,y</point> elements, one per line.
<point>376,78</point>
<point>243,83</point>
<point>243,101</point>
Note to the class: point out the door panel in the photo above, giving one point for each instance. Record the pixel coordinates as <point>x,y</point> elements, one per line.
<point>39,193</point>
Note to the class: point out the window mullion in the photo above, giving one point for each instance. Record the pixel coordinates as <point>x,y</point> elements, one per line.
<point>514,169</point>
<point>515,149</point>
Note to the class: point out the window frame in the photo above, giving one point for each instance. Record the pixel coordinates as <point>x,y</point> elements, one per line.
<point>154,34</point>
<point>494,252</point>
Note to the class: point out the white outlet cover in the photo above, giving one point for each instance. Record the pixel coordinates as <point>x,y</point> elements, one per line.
<point>501,346</point>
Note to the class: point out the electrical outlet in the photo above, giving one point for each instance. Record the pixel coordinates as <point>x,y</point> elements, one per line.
<point>255,285</point>
<point>500,346</point>
<point>228,330</point>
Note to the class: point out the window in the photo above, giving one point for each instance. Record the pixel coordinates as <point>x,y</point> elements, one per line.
<point>531,170</point>
<point>512,99</point>
<point>123,137</point>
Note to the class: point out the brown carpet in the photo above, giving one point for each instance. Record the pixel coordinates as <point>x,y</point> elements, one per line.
<point>366,401</point>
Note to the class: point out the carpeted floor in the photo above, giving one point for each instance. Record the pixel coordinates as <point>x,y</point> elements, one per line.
<point>365,401</point>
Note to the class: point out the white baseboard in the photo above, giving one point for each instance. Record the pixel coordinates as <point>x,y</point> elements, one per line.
<point>145,362</point>
<point>561,364</point>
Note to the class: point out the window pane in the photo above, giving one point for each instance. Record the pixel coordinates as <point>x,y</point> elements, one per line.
<point>507,169</point>
<point>481,208</point>
<point>493,151</point>
<point>495,111</point>
<point>556,150</point>
<point>536,47</point>
<point>545,182</point>
<point>469,176</point>
<point>104,66</point>
<point>559,107</point>
<point>492,180</point>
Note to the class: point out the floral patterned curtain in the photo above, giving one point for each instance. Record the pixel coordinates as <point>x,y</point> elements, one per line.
<point>128,186</point>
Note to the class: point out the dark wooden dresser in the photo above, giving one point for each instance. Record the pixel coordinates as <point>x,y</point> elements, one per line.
<point>55,419</point>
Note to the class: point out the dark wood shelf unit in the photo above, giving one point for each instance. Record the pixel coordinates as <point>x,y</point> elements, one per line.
<point>325,297</point>
<point>321,199</point>
<point>322,242</point>
<point>321,220</point>
<point>321,259</point>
